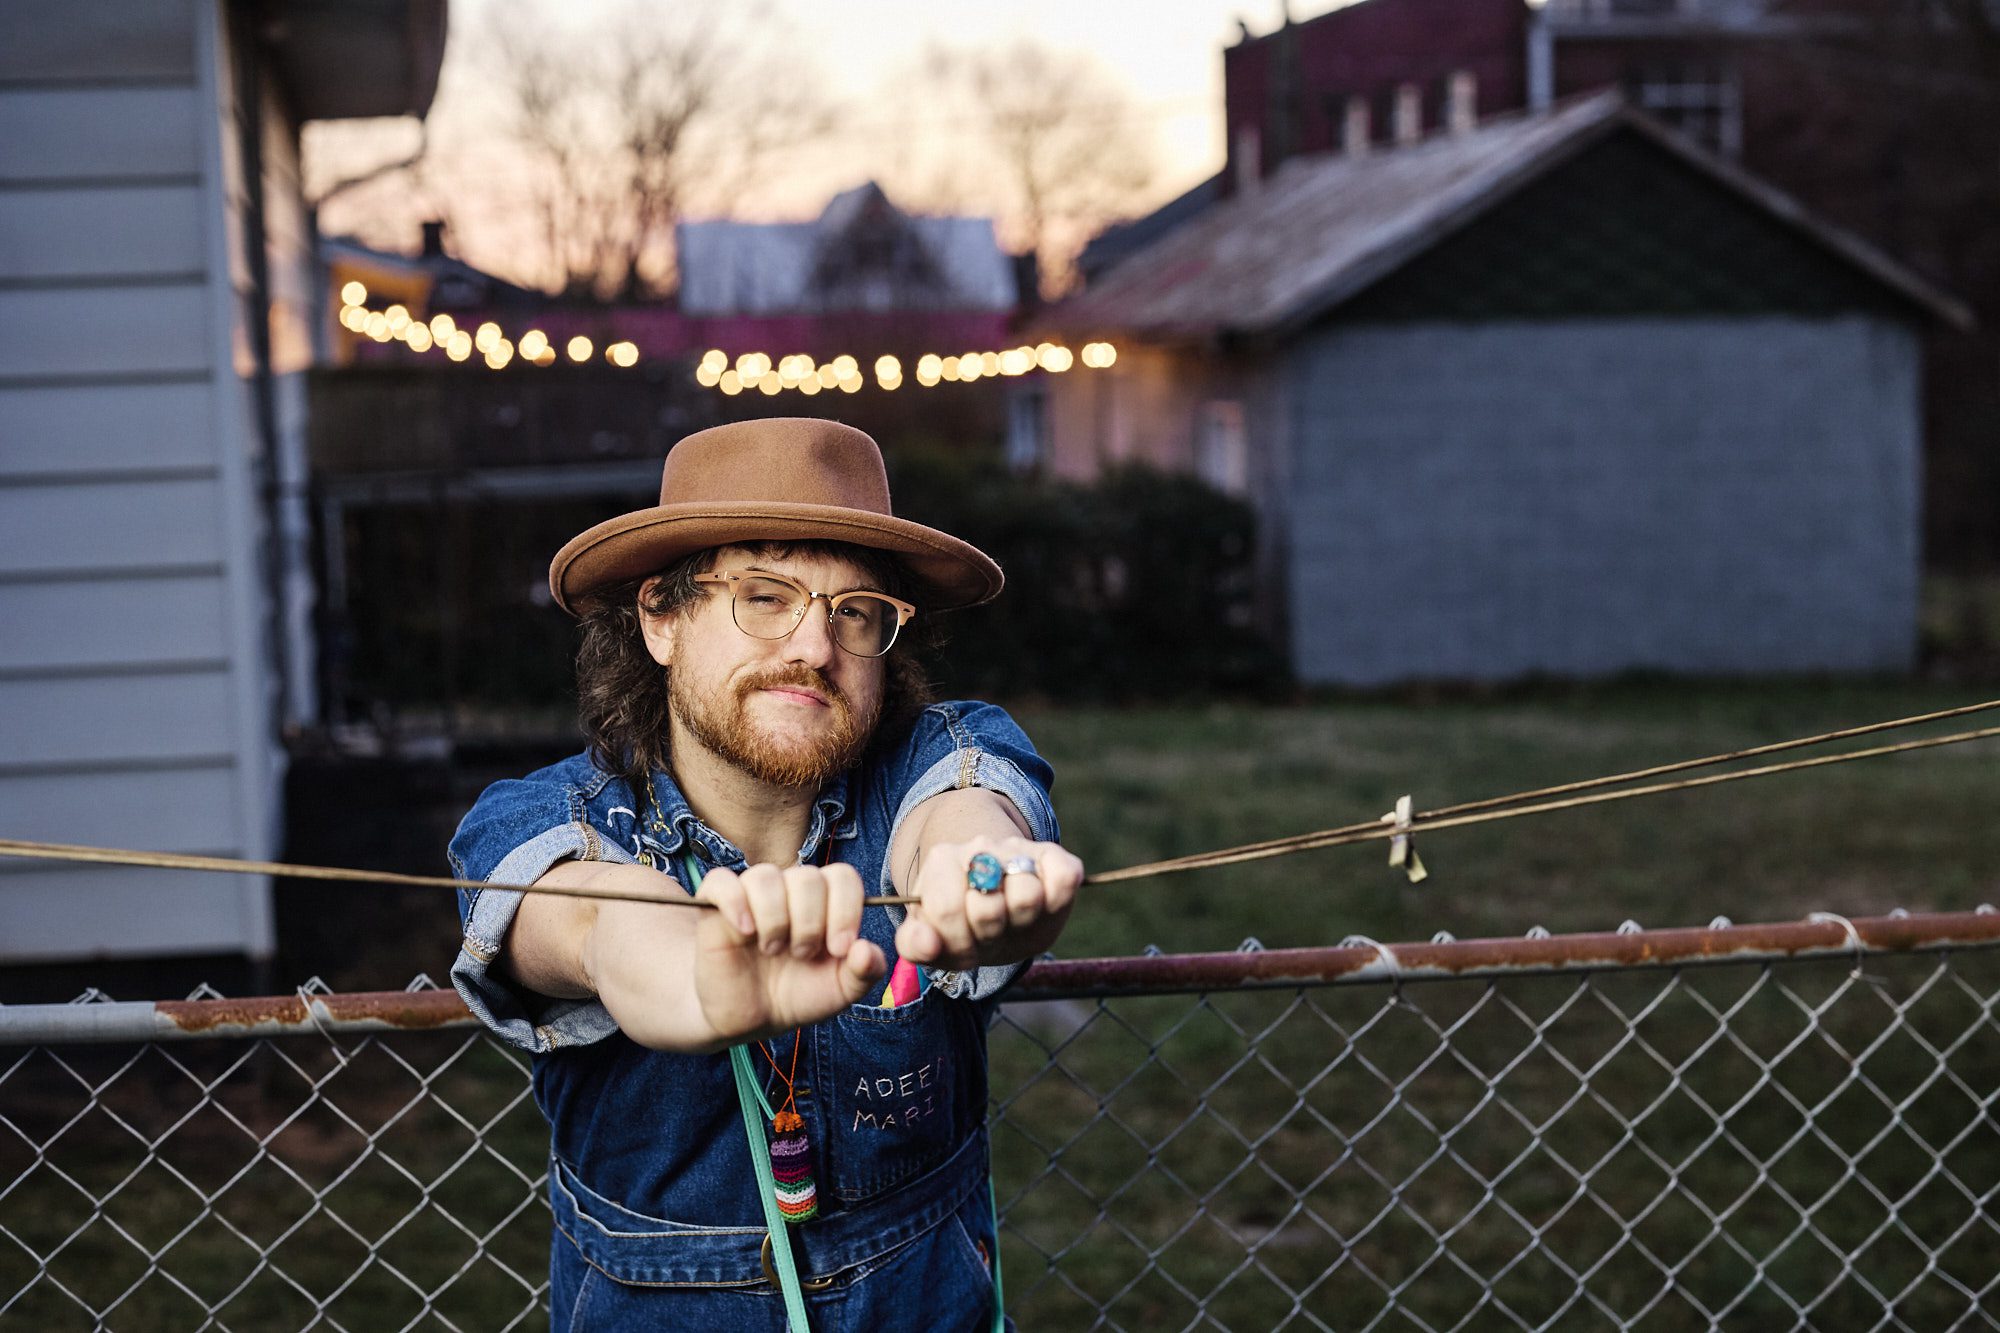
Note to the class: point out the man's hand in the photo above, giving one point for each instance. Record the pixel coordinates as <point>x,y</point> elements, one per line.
<point>958,926</point>
<point>783,949</point>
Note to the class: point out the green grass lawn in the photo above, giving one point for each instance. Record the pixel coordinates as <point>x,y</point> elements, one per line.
<point>1172,1160</point>
<point>1915,831</point>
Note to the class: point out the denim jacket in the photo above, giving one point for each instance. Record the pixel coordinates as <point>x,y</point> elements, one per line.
<point>651,1180</point>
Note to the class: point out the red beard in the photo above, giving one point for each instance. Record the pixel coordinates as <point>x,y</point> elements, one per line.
<point>724,726</point>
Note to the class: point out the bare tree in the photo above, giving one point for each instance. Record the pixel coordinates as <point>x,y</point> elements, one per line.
<point>1068,149</point>
<point>626,130</point>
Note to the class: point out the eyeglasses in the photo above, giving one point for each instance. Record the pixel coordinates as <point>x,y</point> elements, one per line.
<point>770,606</point>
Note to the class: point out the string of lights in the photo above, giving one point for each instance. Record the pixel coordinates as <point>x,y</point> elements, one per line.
<point>441,333</point>
<point>748,372</point>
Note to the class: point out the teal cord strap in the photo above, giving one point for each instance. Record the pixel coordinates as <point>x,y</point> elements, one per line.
<point>999,1293</point>
<point>767,1191</point>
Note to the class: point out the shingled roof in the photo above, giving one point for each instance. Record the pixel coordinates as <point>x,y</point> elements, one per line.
<point>1322,229</point>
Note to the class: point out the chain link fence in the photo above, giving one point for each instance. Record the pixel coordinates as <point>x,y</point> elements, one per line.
<point>1554,1133</point>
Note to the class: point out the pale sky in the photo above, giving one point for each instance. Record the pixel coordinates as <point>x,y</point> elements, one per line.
<point>1166,55</point>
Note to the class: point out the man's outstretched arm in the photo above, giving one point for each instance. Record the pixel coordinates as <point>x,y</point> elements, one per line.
<point>782,949</point>
<point>957,926</point>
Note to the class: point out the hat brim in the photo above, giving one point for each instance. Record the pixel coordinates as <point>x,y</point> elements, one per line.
<point>953,574</point>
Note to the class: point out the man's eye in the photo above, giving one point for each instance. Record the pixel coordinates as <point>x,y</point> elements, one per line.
<point>765,601</point>
<point>860,612</point>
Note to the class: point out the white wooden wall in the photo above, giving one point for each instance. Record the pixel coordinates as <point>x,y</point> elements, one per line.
<point>136,676</point>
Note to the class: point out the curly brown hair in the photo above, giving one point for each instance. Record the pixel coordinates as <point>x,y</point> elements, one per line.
<point>621,691</point>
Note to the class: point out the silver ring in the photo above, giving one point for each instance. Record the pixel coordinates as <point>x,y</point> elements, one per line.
<point>1021,865</point>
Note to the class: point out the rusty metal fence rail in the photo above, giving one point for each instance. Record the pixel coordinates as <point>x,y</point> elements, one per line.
<point>1790,1126</point>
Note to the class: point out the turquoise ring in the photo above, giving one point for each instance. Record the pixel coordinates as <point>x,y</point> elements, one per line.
<point>984,874</point>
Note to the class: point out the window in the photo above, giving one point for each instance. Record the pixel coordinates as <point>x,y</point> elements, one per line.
<point>1028,428</point>
<point>1221,446</point>
<point>1701,100</point>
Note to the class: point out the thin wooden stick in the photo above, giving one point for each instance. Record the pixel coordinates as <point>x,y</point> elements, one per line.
<point>64,851</point>
<point>1308,841</point>
<point>1453,816</point>
<point>1442,819</point>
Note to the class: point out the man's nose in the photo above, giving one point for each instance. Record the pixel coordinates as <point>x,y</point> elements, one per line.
<point>812,642</point>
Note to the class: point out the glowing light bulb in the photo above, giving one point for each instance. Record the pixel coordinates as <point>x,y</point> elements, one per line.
<point>888,368</point>
<point>533,343</point>
<point>770,386</point>
<point>419,338</point>
<point>354,294</point>
<point>354,319</point>
<point>579,349</point>
<point>442,327</point>
<point>989,363</point>
<point>487,335</point>
<point>716,359</point>
<point>460,346</point>
<point>809,386</point>
<point>399,319</point>
<point>378,327</point>
<point>845,365</point>
<point>729,382</point>
<point>852,384</point>
<point>928,375</point>
<point>930,365</point>
<point>708,376</point>
<point>623,354</point>
<point>827,377</point>
<point>499,354</point>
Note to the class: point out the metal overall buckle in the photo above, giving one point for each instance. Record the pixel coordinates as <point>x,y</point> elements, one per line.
<point>771,1272</point>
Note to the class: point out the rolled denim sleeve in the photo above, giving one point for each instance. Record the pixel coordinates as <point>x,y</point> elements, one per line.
<point>512,835</point>
<point>959,745</point>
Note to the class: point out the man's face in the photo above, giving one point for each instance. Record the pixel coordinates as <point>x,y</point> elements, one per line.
<point>793,711</point>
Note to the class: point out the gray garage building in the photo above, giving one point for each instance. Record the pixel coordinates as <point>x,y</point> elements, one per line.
<point>1560,395</point>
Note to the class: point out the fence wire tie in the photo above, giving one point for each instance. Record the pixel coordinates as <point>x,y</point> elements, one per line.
<point>1403,846</point>
<point>305,992</point>
<point>1853,942</point>
<point>1385,958</point>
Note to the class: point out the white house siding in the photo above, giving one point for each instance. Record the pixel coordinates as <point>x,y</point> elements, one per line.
<point>134,687</point>
<point>1482,502</point>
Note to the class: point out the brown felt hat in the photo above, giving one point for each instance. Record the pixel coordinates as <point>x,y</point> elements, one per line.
<point>777,479</point>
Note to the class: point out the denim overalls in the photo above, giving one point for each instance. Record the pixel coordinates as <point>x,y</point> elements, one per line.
<point>658,1223</point>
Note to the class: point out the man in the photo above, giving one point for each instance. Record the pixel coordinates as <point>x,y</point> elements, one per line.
<point>757,738</point>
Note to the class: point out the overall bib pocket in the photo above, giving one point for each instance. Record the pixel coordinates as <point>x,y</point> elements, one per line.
<point>904,1087</point>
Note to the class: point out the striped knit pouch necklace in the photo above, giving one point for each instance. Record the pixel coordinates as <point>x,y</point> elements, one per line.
<point>791,1150</point>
